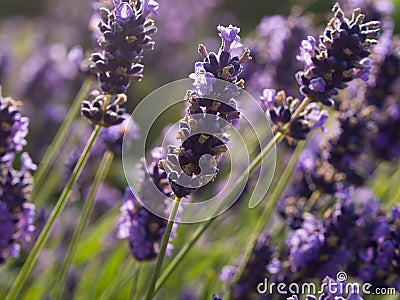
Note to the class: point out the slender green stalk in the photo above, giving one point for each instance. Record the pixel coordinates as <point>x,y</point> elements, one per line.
<point>123,278</point>
<point>59,207</point>
<point>268,211</point>
<point>59,139</point>
<point>135,282</point>
<point>164,244</point>
<point>86,211</point>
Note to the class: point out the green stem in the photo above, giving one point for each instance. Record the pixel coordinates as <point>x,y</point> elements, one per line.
<point>59,139</point>
<point>161,255</point>
<point>205,225</point>
<point>86,211</point>
<point>135,282</point>
<point>268,211</point>
<point>59,207</point>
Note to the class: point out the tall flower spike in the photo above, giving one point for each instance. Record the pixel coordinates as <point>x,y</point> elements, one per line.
<point>211,110</point>
<point>16,214</point>
<point>126,34</point>
<point>140,227</point>
<point>341,55</point>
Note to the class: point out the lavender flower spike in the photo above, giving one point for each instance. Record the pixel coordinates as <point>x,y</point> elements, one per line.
<point>126,34</point>
<point>140,227</point>
<point>16,215</point>
<point>212,108</point>
<point>339,57</point>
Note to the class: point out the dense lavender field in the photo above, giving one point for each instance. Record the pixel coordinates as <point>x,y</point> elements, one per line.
<point>189,150</point>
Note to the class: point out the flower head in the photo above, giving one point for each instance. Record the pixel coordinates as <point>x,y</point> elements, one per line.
<point>230,37</point>
<point>123,11</point>
<point>339,57</point>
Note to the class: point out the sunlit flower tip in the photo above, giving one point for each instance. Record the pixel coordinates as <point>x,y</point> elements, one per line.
<point>150,7</point>
<point>230,37</point>
<point>268,98</point>
<point>123,12</point>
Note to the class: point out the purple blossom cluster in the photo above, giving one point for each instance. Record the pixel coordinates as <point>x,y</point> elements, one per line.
<point>126,34</point>
<point>212,108</point>
<point>143,229</point>
<point>341,55</point>
<point>16,214</point>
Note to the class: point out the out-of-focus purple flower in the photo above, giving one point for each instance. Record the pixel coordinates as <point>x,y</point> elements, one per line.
<point>307,51</point>
<point>150,7</point>
<point>143,229</point>
<point>304,243</point>
<point>365,69</point>
<point>114,135</point>
<point>254,270</point>
<point>230,37</point>
<point>268,98</point>
<point>13,128</point>
<point>227,273</point>
<point>16,215</point>
<point>320,117</point>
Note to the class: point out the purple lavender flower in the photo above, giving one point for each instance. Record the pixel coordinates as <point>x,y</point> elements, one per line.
<point>339,56</point>
<point>126,34</point>
<point>305,243</point>
<point>280,109</point>
<point>140,227</point>
<point>211,110</point>
<point>13,128</point>
<point>16,214</point>
<point>230,37</point>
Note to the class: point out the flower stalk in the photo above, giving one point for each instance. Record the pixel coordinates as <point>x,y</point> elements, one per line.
<point>161,255</point>
<point>58,209</point>
<point>86,211</point>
